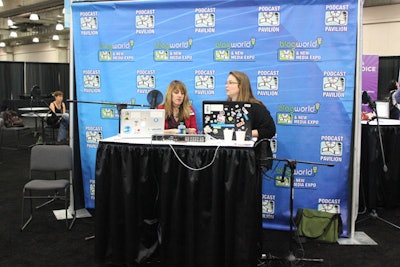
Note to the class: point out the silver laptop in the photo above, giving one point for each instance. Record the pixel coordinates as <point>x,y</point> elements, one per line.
<point>141,123</point>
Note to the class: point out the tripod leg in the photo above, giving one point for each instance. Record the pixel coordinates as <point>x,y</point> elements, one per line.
<point>375,215</point>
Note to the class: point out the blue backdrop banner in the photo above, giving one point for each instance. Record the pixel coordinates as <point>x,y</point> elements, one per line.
<point>300,56</point>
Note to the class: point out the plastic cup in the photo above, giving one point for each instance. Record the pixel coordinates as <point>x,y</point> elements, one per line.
<point>228,133</point>
<point>240,136</point>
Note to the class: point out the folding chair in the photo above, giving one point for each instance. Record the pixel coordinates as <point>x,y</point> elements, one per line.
<point>48,159</point>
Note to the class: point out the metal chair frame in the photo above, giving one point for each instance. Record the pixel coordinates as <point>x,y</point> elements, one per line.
<point>40,155</point>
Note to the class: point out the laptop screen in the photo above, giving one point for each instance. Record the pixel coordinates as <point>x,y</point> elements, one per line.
<point>220,115</point>
<point>141,123</point>
<point>382,108</point>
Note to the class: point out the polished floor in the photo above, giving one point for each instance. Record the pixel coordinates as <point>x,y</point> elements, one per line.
<point>45,242</point>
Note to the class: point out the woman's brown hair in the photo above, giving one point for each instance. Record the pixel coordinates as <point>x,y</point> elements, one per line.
<point>184,109</point>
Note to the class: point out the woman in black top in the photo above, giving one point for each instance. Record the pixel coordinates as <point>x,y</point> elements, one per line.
<point>238,88</point>
<point>58,107</point>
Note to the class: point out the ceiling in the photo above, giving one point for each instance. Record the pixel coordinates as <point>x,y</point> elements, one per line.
<point>50,13</point>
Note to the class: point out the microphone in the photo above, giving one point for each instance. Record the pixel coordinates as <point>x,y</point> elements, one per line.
<point>366,99</point>
<point>154,98</point>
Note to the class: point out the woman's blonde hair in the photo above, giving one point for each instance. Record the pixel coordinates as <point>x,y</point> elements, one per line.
<point>184,109</point>
<point>245,92</point>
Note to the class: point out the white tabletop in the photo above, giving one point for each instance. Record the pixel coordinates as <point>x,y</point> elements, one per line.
<point>382,122</point>
<point>148,141</point>
<point>40,115</point>
<point>33,109</point>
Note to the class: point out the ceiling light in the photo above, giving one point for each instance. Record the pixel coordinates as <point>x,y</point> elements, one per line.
<point>10,22</point>
<point>35,40</point>
<point>13,34</point>
<point>56,37</point>
<point>2,44</point>
<point>34,16</point>
<point>1,3</point>
<point>59,27</point>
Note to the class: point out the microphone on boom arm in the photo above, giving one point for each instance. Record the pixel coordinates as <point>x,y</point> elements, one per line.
<point>366,99</point>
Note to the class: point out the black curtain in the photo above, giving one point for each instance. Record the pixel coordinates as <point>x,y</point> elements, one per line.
<point>49,77</point>
<point>388,70</point>
<point>11,80</point>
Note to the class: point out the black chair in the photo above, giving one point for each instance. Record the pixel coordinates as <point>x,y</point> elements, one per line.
<point>48,159</point>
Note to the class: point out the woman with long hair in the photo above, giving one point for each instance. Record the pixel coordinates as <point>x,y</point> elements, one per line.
<point>238,88</point>
<point>178,110</point>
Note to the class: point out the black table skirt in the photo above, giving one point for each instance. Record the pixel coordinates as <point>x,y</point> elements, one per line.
<point>377,188</point>
<point>148,203</point>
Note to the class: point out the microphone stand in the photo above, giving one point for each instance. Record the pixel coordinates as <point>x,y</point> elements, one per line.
<point>373,213</point>
<point>291,163</point>
<point>119,106</point>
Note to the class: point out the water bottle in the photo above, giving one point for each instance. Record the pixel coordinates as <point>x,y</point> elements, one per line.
<point>181,128</point>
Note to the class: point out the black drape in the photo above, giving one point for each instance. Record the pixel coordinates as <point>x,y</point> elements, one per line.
<point>388,70</point>
<point>49,77</point>
<point>210,217</point>
<point>11,80</point>
<point>380,189</point>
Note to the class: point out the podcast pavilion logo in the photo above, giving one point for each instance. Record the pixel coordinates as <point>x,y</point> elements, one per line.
<point>267,82</point>
<point>204,82</point>
<point>336,18</point>
<point>268,206</point>
<point>145,21</point>
<point>269,18</point>
<point>331,205</point>
<point>331,148</point>
<point>93,136</point>
<point>145,81</point>
<point>204,20</point>
<point>89,23</point>
<point>91,81</point>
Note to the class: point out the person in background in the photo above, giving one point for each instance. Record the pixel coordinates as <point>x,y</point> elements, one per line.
<point>394,99</point>
<point>238,88</point>
<point>58,107</point>
<point>178,110</point>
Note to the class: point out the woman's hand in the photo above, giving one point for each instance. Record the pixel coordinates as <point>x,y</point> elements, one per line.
<point>191,130</point>
<point>171,131</point>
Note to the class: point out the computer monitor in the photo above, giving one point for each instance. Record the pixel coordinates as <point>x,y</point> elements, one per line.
<point>382,108</point>
<point>141,123</point>
<point>220,115</point>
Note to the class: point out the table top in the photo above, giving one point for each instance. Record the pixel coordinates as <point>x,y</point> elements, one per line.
<point>145,141</point>
<point>382,122</point>
<point>33,109</point>
<point>36,115</point>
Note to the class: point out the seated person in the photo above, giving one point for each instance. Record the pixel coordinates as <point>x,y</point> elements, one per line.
<point>238,88</point>
<point>177,109</point>
<point>58,107</point>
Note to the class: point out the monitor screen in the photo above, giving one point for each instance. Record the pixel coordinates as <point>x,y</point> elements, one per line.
<point>382,109</point>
